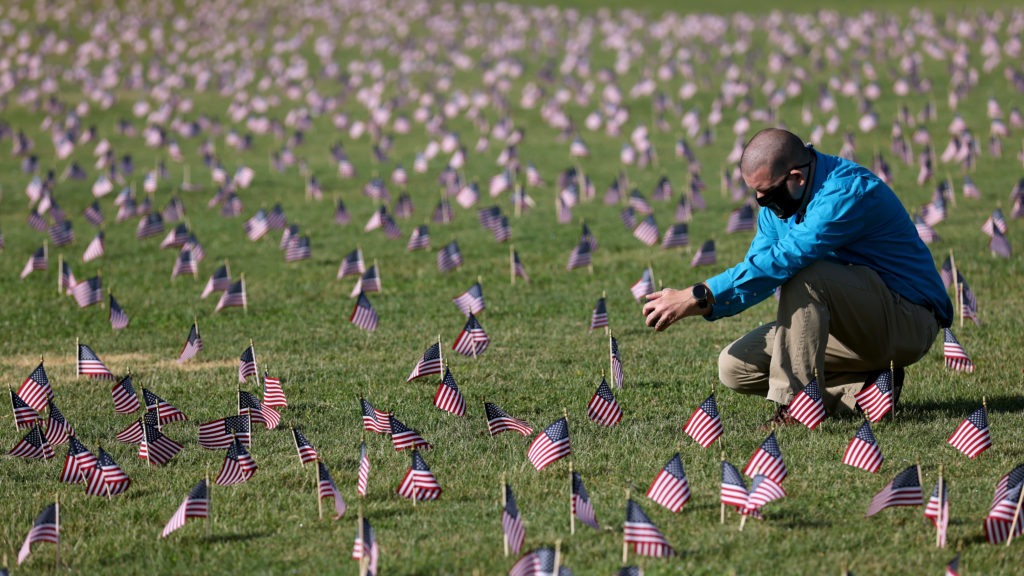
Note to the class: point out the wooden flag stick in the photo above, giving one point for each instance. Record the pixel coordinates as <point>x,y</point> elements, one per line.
<point>625,545</point>
<point>956,288</point>
<point>611,364</point>
<point>254,363</point>
<point>78,368</point>
<point>721,519</point>
<point>11,390</point>
<point>512,264</point>
<point>1016,518</point>
<point>60,273</point>
<point>558,555</point>
<point>440,355</point>
<point>743,522</point>
<point>504,504</point>
<point>572,517</point>
<point>380,284</point>
<point>316,491</point>
<point>56,553</point>
<point>363,560</point>
<point>245,298</point>
<point>938,518</point>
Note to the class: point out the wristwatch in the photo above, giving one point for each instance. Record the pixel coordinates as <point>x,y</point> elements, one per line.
<point>700,293</point>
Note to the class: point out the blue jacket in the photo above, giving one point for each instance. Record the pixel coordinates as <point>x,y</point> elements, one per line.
<point>852,217</point>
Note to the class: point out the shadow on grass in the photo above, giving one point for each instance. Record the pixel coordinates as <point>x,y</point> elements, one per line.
<point>927,410</point>
<point>215,538</point>
<point>796,519</point>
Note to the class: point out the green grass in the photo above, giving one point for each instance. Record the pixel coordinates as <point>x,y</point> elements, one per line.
<point>542,359</point>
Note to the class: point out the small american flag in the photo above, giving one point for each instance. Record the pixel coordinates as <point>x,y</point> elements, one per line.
<point>157,448</point>
<point>449,257</point>
<point>25,416</point>
<point>863,451</point>
<point>767,460</point>
<point>807,406</point>
<point>234,296</point>
<point>95,249</point>
<point>616,361</point>
<point>638,203</point>
<point>107,478</point>
<point>168,412</point>
<point>740,220</point>
<point>403,437</point>
<point>150,225</point>
<point>670,487</point>
<point>579,257</point>
<point>599,317</point>
<point>676,236</point>
<point>429,363</point>
<point>419,239</point>
<point>972,436</point>
<point>249,404</point>
<point>341,214</point>
<point>603,409</point>
<point>247,364</point>
<point>326,488</point>
<point>512,522</point>
<point>352,264</point>
<point>645,537</point>
<point>647,231</point>
<point>220,434</point>
<point>643,286</point>
<point>46,528</point>
<point>999,521</point>
<point>93,214</point>
<point>195,505</point>
<point>374,420</point>
<point>473,340</point>
<point>33,446</point>
<point>176,238</point>
<point>876,399</point>
<point>298,249</point>
<point>499,421</point>
<point>551,445</point>
<point>273,394</point>
<point>734,489</point>
<point>953,567</point>
<point>581,505</point>
<point>705,256</point>
<point>184,264</point>
<point>517,266</point>
<point>256,226</point>
<point>66,281</point>
<point>956,356</point>
<point>306,451</point>
<point>118,317</point>
<point>365,548</point>
<point>762,491</point>
<point>88,292</point>
<point>925,232</point>
<point>539,562</point>
<point>36,389</point>
<point>132,434</point>
<point>937,510</point>
<point>90,365</point>
<point>363,477</point>
<point>448,396</point>
<point>78,461</point>
<point>704,425</point>
<point>61,233</point>
<point>471,301</point>
<point>193,344</point>
<point>419,482</point>
<point>587,236</point>
<point>363,315</point>
<point>904,490</point>
<point>238,466</point>
<point>58,430</point>
<point>38,261</point>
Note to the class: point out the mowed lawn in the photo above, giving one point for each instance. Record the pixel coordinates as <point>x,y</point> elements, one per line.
<point>264,61</point>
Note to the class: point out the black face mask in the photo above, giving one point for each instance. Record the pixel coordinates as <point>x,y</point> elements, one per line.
<point>779,200</point>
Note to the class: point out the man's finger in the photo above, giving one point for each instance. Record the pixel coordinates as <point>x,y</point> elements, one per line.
<point>655,295</point>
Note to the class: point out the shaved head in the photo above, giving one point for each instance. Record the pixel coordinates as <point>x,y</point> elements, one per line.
<point>775,149</point>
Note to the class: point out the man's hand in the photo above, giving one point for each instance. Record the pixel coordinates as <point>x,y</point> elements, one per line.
<point>668,305</point>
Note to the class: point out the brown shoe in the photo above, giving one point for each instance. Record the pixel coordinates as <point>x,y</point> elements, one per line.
<point>781,419</point>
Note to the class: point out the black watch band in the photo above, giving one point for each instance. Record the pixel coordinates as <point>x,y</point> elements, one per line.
<point>700,293</point>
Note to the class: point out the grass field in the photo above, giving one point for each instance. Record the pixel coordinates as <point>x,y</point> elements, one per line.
<point>542,359</point>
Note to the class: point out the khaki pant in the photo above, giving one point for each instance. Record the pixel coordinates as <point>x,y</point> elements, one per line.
<point>842,322</point>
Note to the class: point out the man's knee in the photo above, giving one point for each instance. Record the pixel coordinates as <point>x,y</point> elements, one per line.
<point>734,373</point>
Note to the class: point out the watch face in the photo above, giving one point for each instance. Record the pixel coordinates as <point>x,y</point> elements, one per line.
<point>700,292</point>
